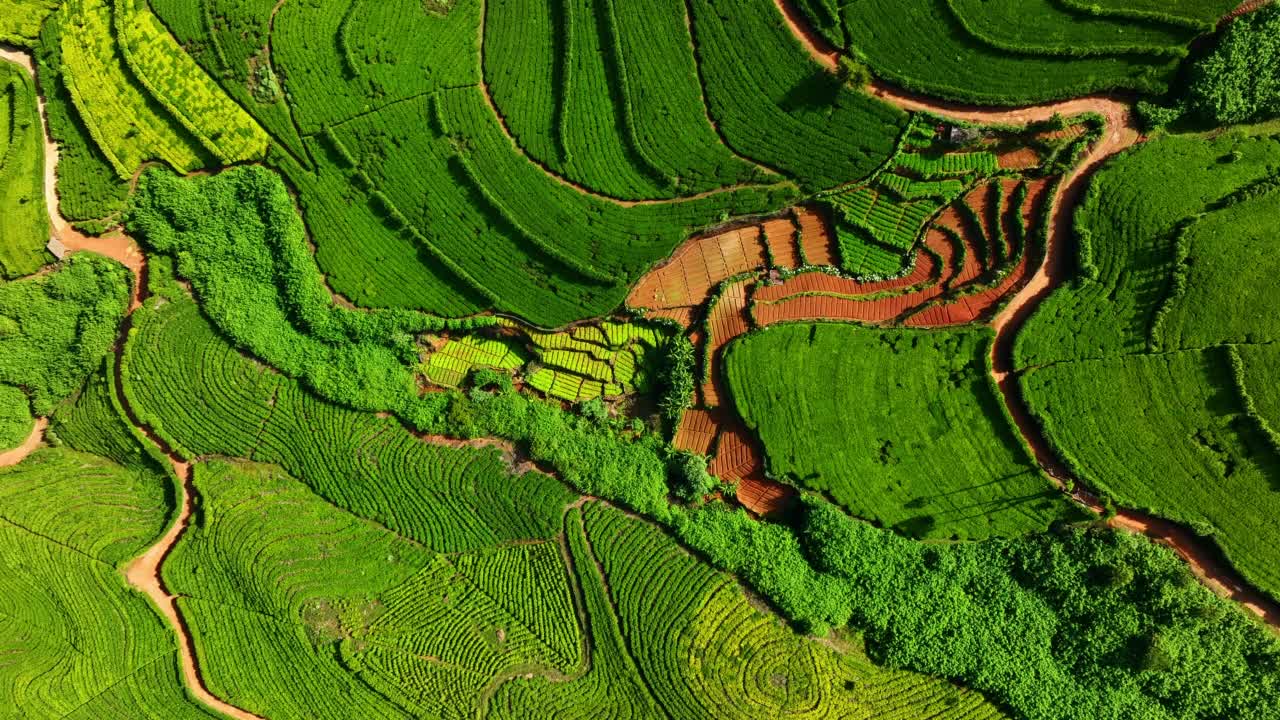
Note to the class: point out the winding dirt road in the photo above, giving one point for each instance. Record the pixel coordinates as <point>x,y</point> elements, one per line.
<point>1205,559</point>
<point>144,572</point>
<point>115,245</point>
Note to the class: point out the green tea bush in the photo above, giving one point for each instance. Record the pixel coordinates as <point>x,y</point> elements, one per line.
<point>78,642</point>
<point>944,60</point>
<point>24,222</point>
<point>797,118</point>
<point>900,427</point>
<point>15,417</point>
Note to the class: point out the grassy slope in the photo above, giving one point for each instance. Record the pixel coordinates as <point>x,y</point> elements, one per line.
<point>24,226</point>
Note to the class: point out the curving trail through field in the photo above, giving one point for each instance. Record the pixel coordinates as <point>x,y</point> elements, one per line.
<point>116,245</point>
<point>28,446</point>
<point>1205,559</point>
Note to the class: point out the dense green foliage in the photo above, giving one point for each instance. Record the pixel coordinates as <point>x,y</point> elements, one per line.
<point>77,642</point>
<point>21,19</point>
<point>55,328</point>
<point>24,224</point>
<point>1239,81</point>
<point>1081,624</point>
<point>1130,370</point>
<point>15,417</point>
<point>900,427</point>
<point>339,617</point>
<point>238,238</point>
<point>944,59</point>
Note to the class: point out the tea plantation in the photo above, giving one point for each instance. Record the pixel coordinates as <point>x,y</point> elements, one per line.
<point>677,360</point>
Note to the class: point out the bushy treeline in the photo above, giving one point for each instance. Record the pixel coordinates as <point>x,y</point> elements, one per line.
<point>238,238</point>
<point>55,328</point>
<point>1238,81</point>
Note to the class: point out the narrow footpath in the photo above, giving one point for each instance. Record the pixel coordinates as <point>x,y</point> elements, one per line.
<point>1204,558</point>
<point>144,572</point>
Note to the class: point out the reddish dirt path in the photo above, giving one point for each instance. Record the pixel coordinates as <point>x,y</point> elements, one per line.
<point>116,245</point>
<point>28,446</point>
<point>144,575</point>
<point>1204,558</point>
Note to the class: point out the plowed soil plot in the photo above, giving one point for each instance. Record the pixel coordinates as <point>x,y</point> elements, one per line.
<point>738,460</point>
<point>1020,159</point>
<point>727,321</point>
<point>816,238</point>
<point>697,267</point>
<point>780,235</point>
<point>763,496</point>
<point>697,432</point>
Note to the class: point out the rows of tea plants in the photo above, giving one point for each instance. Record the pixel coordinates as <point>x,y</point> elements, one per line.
<point>178,83</point>
<point>1224,261</point>
<point>378,622</point>
<point>15,417</point>
<point>1047,27</point>
<point>24,223</point>
<point>922,457</point>
<point>591,130</point>
<point>1128,226</point>
<point>229,39</point>
<point>55,328</point>
<point>796,118</point>
<point>944,60</point>
<point>400,50</point>
<point>451,364</point>
<point>448,499</point>
<point>77,641</point>
<point>1201,15</point>
<point>705,652</point>
<point>88,187</point>
<point>128,125</point>
<point>1144,319</point>
<point>607,95</point>
<point>612,685</point>
<point>1168,433</point>
<point>1260,366</point>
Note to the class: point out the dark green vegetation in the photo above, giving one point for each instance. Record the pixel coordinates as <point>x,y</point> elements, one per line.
<point>55,328</point>
<point>24,226</point>
<point>1141,370</point>
<point>15,417</point>
<point>900,427</point>
<point>1236,81</point>
<point>1199,14</point>
<point>1011,52</point>
<point>78,643</point>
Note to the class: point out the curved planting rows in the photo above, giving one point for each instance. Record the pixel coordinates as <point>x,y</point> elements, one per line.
<point>339,615</point>
<point>204,398</point>
<point>24,227</point>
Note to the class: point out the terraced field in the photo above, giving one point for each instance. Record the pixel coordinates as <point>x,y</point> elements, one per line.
<point>702,359</point>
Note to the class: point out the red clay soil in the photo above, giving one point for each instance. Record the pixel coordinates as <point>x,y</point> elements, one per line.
<point>738,460</point>
<point>34,439</point>
<point>727,321</point>
<point>697,267</point>
<point>816,238</point>
<point>697,431</point>
<point>1020,159</point>
<point>780,236</point>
